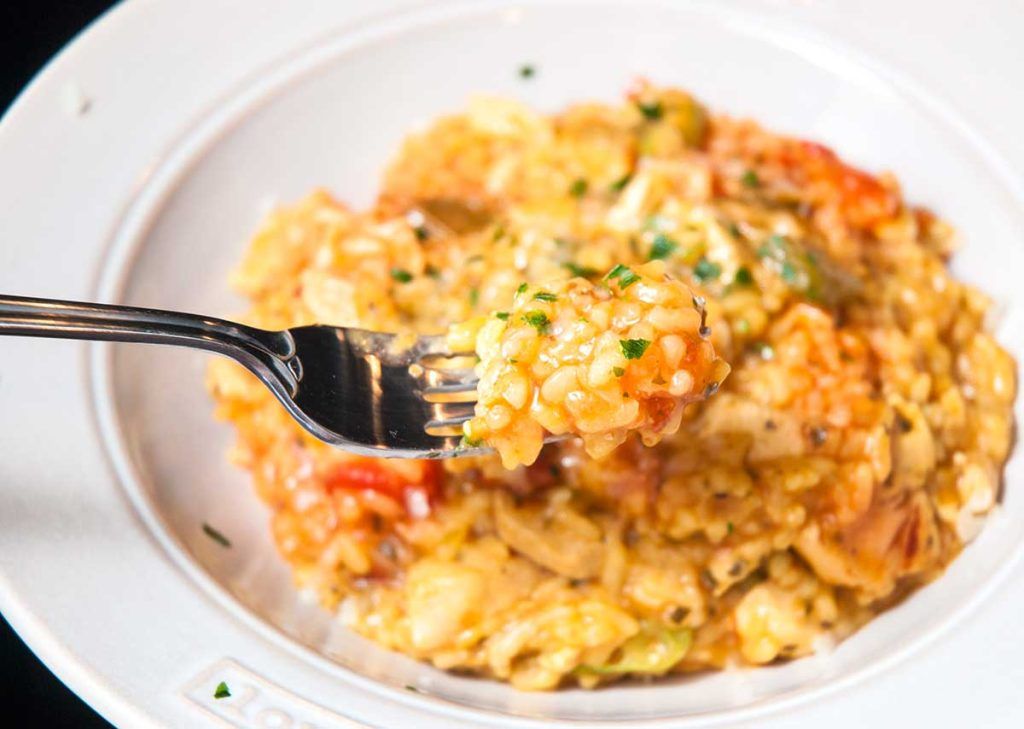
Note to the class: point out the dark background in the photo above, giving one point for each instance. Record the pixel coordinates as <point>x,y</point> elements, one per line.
<point>31,32</point>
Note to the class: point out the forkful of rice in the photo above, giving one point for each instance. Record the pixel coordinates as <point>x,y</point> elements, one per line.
<point>575,357</point>
<point>596,360</point>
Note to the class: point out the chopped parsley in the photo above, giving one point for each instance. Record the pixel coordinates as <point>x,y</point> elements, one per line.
<point>628,279</point>
<point>474,296</point>
<point>421,233</point>
<point>662,247</point>
<point>621,183</point>
<point>545,296</point>
<point>652,110</point>
<point>538,320</point>
<point>578,188</point>
<point>216,535</point>
<point>743,277</point>
<point>750,179</point>
<point>706,270</point>
<point>634,348</point>
<point>468,442</point>
<point>222,691</point>
<point>618,371</point>
<point>729,527</point>
<point>527,71</point>
<point>624,274</point>
<point>577,270</point>
<point>616,271</point>
<point>401,275</point>
<point>522,288</point>
<point>503,315</point>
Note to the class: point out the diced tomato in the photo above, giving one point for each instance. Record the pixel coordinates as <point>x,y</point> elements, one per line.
<point>862,199</point>
<point>375,475</point>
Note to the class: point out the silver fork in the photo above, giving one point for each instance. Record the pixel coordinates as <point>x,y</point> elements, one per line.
<point>398,396</point>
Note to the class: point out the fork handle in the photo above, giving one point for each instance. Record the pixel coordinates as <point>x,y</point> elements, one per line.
<point>263,352</point>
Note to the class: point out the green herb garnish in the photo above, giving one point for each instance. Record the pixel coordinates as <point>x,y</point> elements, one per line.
<point>706,270</point>
<point>401,275</point>
<point>652,111</point>
<point>750,179</point>
<point>527,71</point>
<point>545,296</point>
<point>474,296</point>
<point>577,270</point>
<point>618,371</point>
<point>578,188</point>
<point>624,274</point>
<point>634,348</point>
<point>222,691</point>
<point>421,233</point>
<point>729,527</point>
<point>621,183</point>
<point>522,288</point>
<point>743,277</point>
<point>503,315</point>
<point>538,320</point>
<point>616,271</point>
<point>468,442</point>
<point>216,535</point>
<point>628,279</point>
<point>662,248</point>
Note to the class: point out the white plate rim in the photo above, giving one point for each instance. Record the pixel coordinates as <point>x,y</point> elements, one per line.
<point>91,686</point>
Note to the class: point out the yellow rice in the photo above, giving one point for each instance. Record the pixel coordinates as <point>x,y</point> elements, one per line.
<point>853,450</point>
<point>598,360</point>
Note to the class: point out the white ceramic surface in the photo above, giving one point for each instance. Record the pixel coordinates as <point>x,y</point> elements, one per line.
<point>148,197</point>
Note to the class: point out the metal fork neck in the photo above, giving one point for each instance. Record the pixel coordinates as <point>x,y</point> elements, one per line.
<point>270,355</point>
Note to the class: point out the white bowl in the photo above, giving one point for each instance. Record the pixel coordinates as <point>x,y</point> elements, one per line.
<point>329,113</point>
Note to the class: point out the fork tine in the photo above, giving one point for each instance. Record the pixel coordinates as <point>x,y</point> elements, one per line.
<point>454,388</point>
<point>445,427</point>
<point>444,379</point>
<point>452,410</point>
<point>449,416</point>
<point>454,393</point>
